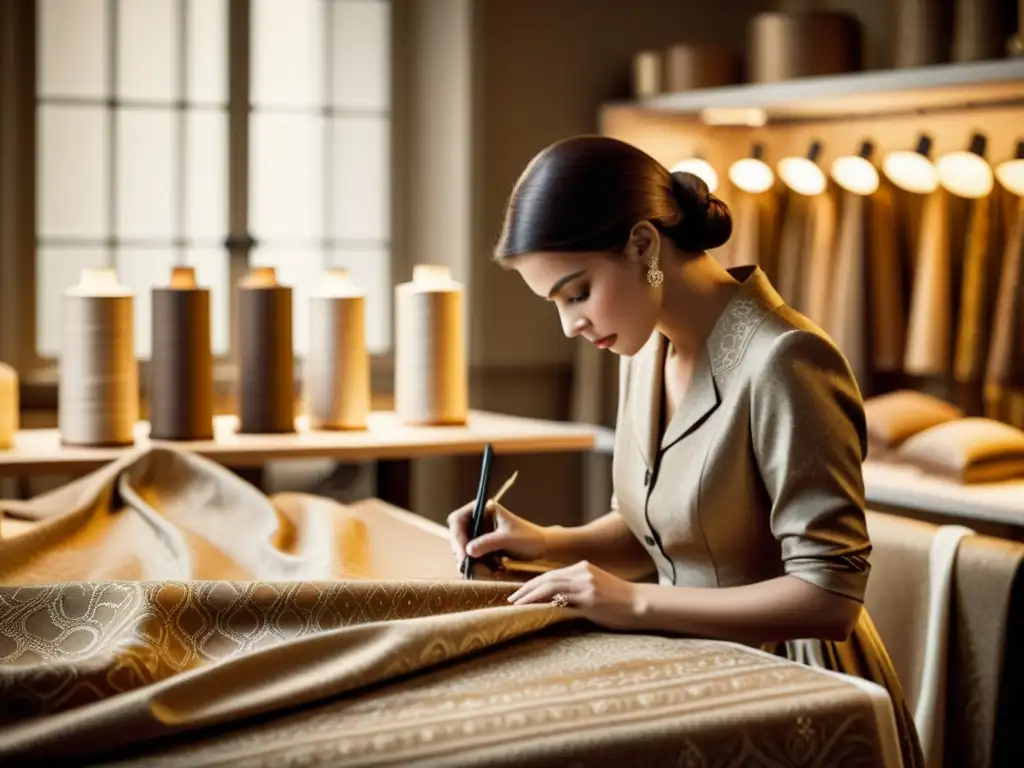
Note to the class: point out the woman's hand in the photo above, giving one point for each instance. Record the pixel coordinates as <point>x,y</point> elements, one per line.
<point>601,597</point>
<point>508,533</point>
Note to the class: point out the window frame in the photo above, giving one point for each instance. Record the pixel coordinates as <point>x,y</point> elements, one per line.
<point>18,216</point>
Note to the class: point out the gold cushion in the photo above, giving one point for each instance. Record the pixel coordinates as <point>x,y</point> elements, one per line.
<point>974,450</point>
<point>895,416</point>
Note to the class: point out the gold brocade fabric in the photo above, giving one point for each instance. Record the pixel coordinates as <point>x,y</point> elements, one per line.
<point>339,635</point>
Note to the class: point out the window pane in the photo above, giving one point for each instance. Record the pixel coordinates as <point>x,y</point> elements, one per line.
<point>72,52</point>
<point>57,269</point>
<point>212,271</point>
<point>362,200</point>
<point>361,49</point>
<point>285,179</point>
<point>371,271</point>
<point>301,269</point>
<point>147,49</point>
<point>206,175</point>
<point>145,173</point>
<point>140,269</point>
<point>73,177</point>
<point>208,51</point>
<point>287,52</point>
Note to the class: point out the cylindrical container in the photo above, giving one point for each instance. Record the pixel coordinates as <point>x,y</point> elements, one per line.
<point>431,375</point>
<point>784,46</point>
<point>181,367</point>
<point>922,32</point>
<point>337,376</point>
<point>266,385</point>
<point>688,67</point>
<point>8,406</point>
<point>648,74</point>
<point>98,399</point>
<point>980,30</point>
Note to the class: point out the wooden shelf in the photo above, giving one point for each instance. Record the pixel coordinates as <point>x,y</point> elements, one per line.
<point>858,94</point>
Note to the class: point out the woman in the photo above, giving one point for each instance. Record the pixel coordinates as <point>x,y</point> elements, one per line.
<point>740,431</point>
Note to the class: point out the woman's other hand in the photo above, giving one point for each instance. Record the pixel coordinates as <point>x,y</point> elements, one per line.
<point>506,532</point>
<point>601,597</point>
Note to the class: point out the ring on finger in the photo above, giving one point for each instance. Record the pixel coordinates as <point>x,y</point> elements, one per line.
<point>560,600</point>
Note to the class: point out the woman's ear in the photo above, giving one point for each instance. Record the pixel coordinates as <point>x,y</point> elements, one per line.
<point>644,243</point>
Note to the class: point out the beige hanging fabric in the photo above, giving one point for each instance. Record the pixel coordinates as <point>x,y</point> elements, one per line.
<point>885,284</point>
<point>846,309</point>
<point>976,296</point>
<point>1004,374</point>
<point>792,247</point>
<point>930,325</point>
<point>819,260</point>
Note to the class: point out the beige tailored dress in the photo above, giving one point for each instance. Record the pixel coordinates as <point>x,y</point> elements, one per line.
<point>758,473</point>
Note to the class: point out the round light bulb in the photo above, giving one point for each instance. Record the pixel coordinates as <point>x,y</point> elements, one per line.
<point>698,167</point>
<point>802,175</point>
<point>855,174</point>
<point>911,171</point>
<point>965,174</point>
<point>1011,175</point>
<point>751,175</point>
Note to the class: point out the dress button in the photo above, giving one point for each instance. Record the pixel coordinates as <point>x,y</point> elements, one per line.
<point>647,477</point>
<point>649,541</point>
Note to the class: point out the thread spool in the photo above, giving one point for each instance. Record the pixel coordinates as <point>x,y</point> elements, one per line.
<point>98,399</point>
<point>8,406</point>
<point>181,368</point>
<point>431,377</point>
<point>266,396</point>
<point>337,376</point>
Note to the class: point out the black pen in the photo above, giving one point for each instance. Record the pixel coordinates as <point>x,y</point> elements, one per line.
<point>476,526</point>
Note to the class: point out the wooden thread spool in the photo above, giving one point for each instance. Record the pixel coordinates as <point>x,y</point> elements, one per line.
<point>8,406</point>
<point>431,376</point>
<point>181,368</point>
<point>98,401</point>
<point>337,379</point>
<point>266,396</point>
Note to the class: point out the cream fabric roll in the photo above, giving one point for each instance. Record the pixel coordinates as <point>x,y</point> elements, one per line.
<point>431,374</point>
<point>98,402</point>
<point>9,409</point>
<point>930,325</point>
<point>846,308</point>
<point>338,364</point>
<point>819,260</point>
<point>885,284</point>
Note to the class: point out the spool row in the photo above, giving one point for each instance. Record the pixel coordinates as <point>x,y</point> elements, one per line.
<point>98,396</point>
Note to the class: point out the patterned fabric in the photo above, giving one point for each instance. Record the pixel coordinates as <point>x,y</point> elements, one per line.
<point>323,646</point>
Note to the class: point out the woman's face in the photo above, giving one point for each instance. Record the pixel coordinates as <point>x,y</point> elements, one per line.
<point>603,297</point>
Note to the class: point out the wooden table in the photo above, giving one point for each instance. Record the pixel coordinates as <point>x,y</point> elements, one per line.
<point>386,440</point>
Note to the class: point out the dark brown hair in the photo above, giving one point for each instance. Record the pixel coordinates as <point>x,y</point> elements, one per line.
<point>586,193</point>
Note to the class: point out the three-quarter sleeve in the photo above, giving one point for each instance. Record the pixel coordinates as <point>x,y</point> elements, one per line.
<point>809,437</point>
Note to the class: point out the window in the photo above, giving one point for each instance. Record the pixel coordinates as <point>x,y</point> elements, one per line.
<point>134,104</point>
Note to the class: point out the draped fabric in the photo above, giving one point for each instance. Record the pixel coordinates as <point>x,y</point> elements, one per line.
<point>885,284</point>
<point>929,328</point>
<point>1004,372</point>
<point>846,312</point>
<point>160,611</point>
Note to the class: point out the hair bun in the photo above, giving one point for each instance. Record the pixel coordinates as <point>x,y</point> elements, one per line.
<point>707,221</point>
